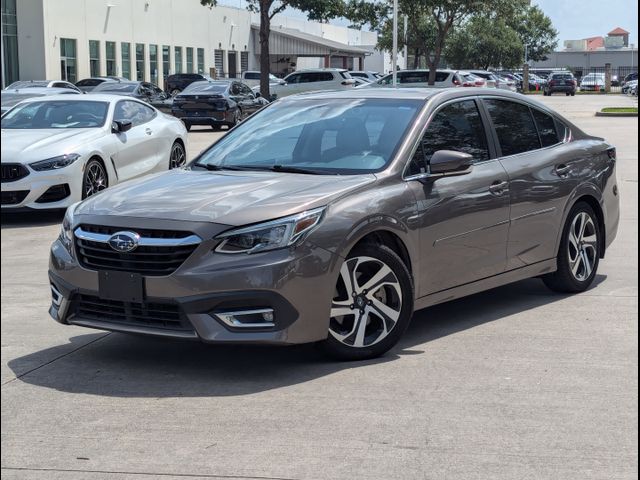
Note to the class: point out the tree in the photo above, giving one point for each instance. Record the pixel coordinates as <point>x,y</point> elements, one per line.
<point>420,36</point>
<point>536,31</point>
<point>485,42</point>
<point>267,9</point>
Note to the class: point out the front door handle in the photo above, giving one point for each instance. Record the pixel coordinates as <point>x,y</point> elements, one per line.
<point>498,187</point>
<point>562,169</point>
<point>148,131</point>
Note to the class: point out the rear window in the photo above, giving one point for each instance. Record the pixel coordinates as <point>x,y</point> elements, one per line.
<point>562,76</point>
<point>116,87</point>
<point>514,125</point>
<point>547,128</point>
<point>206,87</point>
<point>252,75</point>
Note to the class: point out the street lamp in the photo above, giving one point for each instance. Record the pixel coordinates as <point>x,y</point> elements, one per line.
<point>394,53</point>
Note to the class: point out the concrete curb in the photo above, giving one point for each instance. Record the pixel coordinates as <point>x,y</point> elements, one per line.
<point>616,114</point>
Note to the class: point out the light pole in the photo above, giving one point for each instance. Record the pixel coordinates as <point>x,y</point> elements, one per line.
<point>394,53</point>
<point>632,58</point>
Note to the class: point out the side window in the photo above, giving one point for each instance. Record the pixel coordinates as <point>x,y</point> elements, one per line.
<point>293,78</point>
<point>546,128</point>
<point>441,76</point>
<point>514,126</point>
<point>458,127</point>
<point>235,89</point>
<point>135,112</point>
<point>246,90</point>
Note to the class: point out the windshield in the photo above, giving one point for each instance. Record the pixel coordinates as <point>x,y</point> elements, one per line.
<point>335,136</point>
<point>115,87</point>
<point>206,87</point>
<point>56,114</point>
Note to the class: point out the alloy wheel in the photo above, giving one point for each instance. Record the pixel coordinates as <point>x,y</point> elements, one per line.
<point>367,304</point>
<point>583,246</point>
<point>177,157</point>
<point>95,179</point>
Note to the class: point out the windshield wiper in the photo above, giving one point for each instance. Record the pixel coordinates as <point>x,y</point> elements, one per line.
<point>217,168</point>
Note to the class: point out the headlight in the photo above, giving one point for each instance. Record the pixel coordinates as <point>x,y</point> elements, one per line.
<point>66,231</point>
<point>271,235</point>
<point>55,162</point>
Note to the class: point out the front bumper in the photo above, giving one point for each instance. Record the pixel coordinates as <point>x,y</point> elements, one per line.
<point>31,191</point>
<point>296,285</point>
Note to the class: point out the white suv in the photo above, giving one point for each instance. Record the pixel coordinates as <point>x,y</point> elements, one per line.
<point>420,78</point>
<point>311,80</point>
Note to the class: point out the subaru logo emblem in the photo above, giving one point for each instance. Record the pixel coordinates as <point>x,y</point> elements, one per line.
<point>124,242</point>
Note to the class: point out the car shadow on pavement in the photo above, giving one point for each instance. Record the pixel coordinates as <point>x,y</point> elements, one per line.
<point>119,365</point>
<point>31,218</point>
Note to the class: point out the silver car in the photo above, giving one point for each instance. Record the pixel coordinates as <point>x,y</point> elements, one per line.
<point>331,217</point>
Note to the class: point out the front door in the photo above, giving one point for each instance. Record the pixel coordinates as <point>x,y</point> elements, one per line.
<point>463,220</point>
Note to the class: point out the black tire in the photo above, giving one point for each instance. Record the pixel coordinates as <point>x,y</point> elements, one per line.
<point>94,178</point>
<point>401,305</point>
<point>568,94</point>
<point>573,94</point>
<point>564,279</point>
<point>177,156</point>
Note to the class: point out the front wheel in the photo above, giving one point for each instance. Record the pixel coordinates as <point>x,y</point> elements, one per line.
<point>94,179</point>
<point>579,254</point>
<point>372,305</point>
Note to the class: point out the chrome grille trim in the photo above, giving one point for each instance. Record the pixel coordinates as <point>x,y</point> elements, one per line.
<point>143,242</point>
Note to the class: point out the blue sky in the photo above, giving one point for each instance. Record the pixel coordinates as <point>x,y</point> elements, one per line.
<point>590,18</point>
<point>574,19</point>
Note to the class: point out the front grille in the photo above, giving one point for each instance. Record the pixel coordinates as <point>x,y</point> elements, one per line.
<point>15,197</point>
<point>13,171</point>
<point>55,194</point>
<point>146,260</point>
<point>163,316</point>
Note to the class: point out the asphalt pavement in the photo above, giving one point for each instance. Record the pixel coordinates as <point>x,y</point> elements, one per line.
<point>514,383</point>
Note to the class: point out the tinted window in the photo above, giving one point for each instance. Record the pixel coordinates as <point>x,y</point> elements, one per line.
<point>311,77</point>
<point>115,87</point>
<point>252,75</point>
<point>135,112</point>
<point>546,128</point>
<point>456,127</point>
<point>90,82</point>
<point>209,87</point>
<point>514,125</point>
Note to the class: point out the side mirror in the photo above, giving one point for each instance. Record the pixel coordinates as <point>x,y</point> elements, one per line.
<point>121,126</point>
<point>257,94</point>
<point>449,162</point>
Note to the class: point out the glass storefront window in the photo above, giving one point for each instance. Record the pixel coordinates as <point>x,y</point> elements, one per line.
<point>153,61</point>
<point>140,62</point>
<point>68,66</point>
<point>10,70</point>
<point>201,60</point>
<point>178,59</point>
<point>126,59</point>
<point>94,58</point>
<point>189,60</point>
<point>110,48</point>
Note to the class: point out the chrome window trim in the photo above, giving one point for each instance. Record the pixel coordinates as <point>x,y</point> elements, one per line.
<point>143,242</point>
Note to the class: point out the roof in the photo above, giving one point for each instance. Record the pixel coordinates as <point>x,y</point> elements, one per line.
<point>618,31</point>
<point>287,41</point>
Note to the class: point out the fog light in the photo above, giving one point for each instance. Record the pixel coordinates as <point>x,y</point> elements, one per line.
<point>258,318</point>
<point>56,296</point>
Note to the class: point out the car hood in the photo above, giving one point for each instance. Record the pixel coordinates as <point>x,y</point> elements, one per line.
<point>229,198</point>
<point>27,145</point>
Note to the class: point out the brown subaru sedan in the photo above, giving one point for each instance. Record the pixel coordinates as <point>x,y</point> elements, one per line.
<point>330,217</point>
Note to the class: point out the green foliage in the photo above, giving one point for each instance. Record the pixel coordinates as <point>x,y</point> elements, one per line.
<point>485,42</point>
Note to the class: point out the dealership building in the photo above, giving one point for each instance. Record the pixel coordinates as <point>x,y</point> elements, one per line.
<point>150,39</point>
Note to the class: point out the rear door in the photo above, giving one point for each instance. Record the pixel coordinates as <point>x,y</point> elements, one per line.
<point>542,174</point>
<point>463,220</point>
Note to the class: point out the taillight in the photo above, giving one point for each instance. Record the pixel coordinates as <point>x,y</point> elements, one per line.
<point>456,83</point>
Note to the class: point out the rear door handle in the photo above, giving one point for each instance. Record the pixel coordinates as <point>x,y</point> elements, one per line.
<point>148,131</point>
<point>562,169</point>
<point>498,187</point>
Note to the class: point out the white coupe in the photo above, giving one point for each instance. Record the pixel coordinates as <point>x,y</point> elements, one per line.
<point>63,148</point>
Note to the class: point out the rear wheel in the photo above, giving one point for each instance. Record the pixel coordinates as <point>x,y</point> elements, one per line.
<point>94,178</point>
<point>177,157</point>
<point>579,254</point>
<point>372,305</point>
